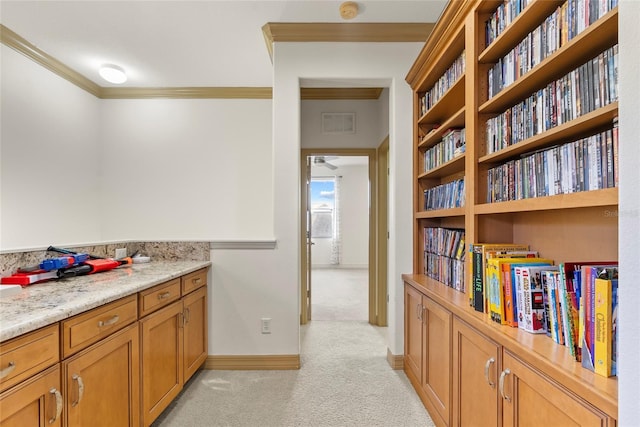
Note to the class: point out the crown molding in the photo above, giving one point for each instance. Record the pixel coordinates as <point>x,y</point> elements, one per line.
<point>21,45</point>
<point>342,32</point>
<point>16,42</point>
<point>340,93</point>
<point>186,92</point>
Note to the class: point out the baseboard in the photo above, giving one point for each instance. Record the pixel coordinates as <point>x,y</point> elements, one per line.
<point>253,363</point>
<point>395,361</point>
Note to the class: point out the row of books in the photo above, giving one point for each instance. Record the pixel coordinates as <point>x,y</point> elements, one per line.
<point>557,30</point>
<point>444,83</point>
<point>582,165</point>
<point>449,271</point>
<point>585,89</point>
<point>445,196</point>
<point>502,17</point>
<point>574,303</point>
<point>574,16</point>
<point>452,145</point>
<point>447,242</point>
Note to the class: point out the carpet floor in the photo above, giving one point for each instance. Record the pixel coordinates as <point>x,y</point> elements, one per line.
<point>344,380</point>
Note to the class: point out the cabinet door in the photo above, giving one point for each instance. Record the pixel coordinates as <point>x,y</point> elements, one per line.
<point>413,331</point>
<point>36,402</point>
<point>162,368</point>
<point>102,383</point>
<point>437,357</point>
<point>195,331</point>
<point>476,364</point>
<point>530,399</point>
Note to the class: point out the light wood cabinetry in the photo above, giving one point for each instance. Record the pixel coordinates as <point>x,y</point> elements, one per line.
<point>36,402</point>
<point>109,366</point>
<point>173,340</point>
<point>102,383</point>
<point>540,377</point>
<point>428,352</point>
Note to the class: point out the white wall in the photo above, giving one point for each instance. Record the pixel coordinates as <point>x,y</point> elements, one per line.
<point>187,169</point>
<point>367,124</point>
<point>49,158</point>
<point>354,214</point>
<point>361,62</point>
<point>629,216</point>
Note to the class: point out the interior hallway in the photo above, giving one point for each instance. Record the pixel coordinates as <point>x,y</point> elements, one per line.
<point>344,379</point>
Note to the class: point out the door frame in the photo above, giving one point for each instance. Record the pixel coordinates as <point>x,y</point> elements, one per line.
<point>375,294</point>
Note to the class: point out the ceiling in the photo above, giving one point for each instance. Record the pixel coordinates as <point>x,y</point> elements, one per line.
<point>183,43</point>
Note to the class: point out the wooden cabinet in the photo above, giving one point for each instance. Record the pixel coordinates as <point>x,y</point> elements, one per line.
<point>518,114</point>
<point>428,352</point>
<point>530,399</point>
<point>476,368</point>
<point>36,402</point>
<point>173,340</point>
<point>195,331</point>
<point>102,383</point>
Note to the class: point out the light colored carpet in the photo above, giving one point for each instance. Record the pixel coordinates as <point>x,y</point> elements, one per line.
<point>344,380</point>
<point>339,294</point>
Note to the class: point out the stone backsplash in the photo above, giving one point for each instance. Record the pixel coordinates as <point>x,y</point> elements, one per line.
<point>160,251</point>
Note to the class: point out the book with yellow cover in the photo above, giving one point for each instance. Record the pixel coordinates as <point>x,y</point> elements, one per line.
<point>606,292</point>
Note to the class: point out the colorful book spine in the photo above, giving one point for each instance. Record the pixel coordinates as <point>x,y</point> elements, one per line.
<point>605,336</point>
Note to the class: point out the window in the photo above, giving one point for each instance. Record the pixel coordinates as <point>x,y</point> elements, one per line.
<point>322,207</point>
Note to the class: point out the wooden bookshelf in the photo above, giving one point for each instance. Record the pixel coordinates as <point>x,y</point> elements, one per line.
<point>499,372</point>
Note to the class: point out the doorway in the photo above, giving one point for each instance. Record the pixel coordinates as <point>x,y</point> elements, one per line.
<point>327,259</point>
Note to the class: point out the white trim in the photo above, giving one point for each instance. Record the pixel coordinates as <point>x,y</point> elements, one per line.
<point>243,244</point>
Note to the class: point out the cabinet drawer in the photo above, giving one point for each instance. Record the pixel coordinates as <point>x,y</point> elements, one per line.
<point>193,281</point>
<point>84,329</point>
<point>154,298</point>
<point>28,354</point>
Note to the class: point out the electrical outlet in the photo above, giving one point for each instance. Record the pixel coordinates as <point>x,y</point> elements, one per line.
<point>121,253</point>
<point>266,325</point>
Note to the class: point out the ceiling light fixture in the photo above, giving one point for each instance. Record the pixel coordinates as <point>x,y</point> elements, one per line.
<point>113,74</point>
<point>349,10</point>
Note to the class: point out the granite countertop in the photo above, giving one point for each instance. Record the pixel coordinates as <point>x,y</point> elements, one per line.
<point>45,303</point>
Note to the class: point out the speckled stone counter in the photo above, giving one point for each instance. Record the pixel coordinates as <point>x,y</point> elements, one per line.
<point>46,303</point>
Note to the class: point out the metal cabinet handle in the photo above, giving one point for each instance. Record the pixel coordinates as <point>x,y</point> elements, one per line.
<point>487,366</point>
<point>6,371</point>
<point>164,295</point>
<point>56,394</point>
<point>196,281</point>
<point>78,379</point>
<point>187,315</point>
<point>501,386</point>
<point>109,322</point>
<point>419,311</point>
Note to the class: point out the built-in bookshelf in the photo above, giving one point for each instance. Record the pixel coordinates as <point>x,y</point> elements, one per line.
<point>532,84</point>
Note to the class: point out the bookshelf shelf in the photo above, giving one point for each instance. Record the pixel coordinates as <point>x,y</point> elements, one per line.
<point>562,133</point>
<point>526,21</point>
<point>431,138</point>
<point>597,37</point>
<point>447,106</point>
<point>440,213</point>
<point>583,199</point>
<point>568,227</point>
<point>446,169</point>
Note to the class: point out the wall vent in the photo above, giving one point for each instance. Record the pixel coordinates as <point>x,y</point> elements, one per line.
<point>338,123</point>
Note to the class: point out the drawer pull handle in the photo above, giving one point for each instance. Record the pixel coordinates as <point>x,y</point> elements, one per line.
<point>6,371</point>
<point>196,281</point>
<point>486,372</point>
<point>502,377</point>
<point>109,322</point>
<point>164,295</point>
<point>78,379</point>
<point>56,394</point>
